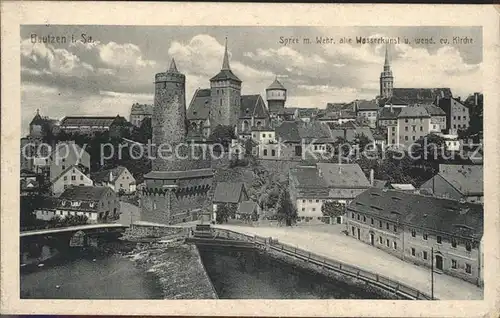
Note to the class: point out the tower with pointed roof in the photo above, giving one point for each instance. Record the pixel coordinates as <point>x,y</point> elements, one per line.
<point>169,111</point>
<point>386,78</point>
<point>276,96</point>
<point>225,91</point>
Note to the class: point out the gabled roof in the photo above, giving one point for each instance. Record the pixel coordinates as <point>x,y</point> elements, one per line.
<point>343,175</point>
<point>229,192</point>
<point>367,105</point>
<point>307,112</point>
<point>380,184</point>
<point>413,112</point>
<point>253,106</point>
<point>225,75</point>
<point>79,168</point>
<point>288,131</point>
<point>199,108</point>
<point>314,130</point>
<point>393,100</point>
<point>247,207</point>
<point>433,110</point>
<point>389,113</point>
<point>103,175</point>
<point>466,179</point>
<point>427,212</point>
<point>336,107</point>
<point>94,193</point>
<point>37,119</point>
<point>421,95</point>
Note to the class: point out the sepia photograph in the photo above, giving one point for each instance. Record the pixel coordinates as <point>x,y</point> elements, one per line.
<point>251,162</point>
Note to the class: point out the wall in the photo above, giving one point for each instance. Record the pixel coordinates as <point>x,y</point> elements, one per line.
<point>137,231</point>
<point>61,184</point>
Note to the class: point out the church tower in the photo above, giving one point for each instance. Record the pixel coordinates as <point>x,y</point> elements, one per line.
<point>225,90</point>
<point>276,96</point>
<point>386,78</point>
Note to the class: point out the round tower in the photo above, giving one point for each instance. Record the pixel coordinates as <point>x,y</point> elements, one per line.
<point>169,111</point>
<point>276,96</point>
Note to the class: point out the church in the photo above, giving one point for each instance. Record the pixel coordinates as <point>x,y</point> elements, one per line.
<point>223,104</point>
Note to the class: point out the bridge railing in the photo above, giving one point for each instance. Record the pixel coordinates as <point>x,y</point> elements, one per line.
<point>381,281</point>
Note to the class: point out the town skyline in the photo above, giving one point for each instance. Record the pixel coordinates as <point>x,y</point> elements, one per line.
<point>117,68</point>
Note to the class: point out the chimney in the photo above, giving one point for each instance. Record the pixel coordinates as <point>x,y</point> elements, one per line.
<point>372,177</point>
<point>111,176</point>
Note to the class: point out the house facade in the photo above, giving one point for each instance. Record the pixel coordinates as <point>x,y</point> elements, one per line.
<point>313,185</point>
<point>424,230</point>
<point>98,204</point>
<point>457,114</point>
<point>139,112</point>
<point>119,179</point>
<point>67,154</point>
<point>368,110</point>
<point>72,176</point>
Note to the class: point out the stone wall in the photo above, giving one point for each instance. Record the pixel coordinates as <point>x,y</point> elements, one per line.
<point>141,231</point>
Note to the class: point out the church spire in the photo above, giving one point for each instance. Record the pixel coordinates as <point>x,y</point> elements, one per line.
<point>173,67</point>
<point>225,62</point>
<point>386,63</point>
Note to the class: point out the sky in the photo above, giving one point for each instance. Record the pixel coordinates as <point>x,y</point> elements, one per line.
<point>107,75</point>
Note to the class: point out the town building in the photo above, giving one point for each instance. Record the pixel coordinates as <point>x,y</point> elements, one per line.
<point>457,182</point>
<point>66,154</point>
<point>287,114</point>
<point>299,140</point>
<point>228,193</point>
<point>368,110</point>
<point>119,179</point>
<point>424,230</point>
<point>306,114</point>
<point>457,114</point>
<point>438,117</point>
<point>73,176</point>
<point>178,186</point>
<point>98,204</point>
<point>223,104</point>
<point>266,143</point>
<point>247,209</point>
<point>139,112</point>
<point>276,96</point>
<point>412,124</point>
<point>311,185</point>
<point>350,132</point>
<point>90,125</point>
<point>41,127</point>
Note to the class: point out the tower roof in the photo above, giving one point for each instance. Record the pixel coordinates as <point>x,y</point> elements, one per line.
<point>173,67</point>
<point>225,62</point>
<point>225,73</point>
<point>37,120</point>
<point>276,84</point>
<point>386,63</point>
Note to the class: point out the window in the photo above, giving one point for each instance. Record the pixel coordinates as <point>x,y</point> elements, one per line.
<point>63,167</point>
<point>406,120</point>
<point>425,254</point>
<point>395,228</point>
<point>73,178</point>
<point>453,264</point>
<point>379,223</point>
<point>468,268</point>
<point>458,117</point>
<point>454,117</point>
<point>406,128</point>
<point>387,225</point>
<point>65,178</point>
<point>412,251</point>
<point>314,209</point>
<point>310,201</point>
<point>352,230</point>
<point>358,217</point>
<point>303,209</point>
<point>372,220</point>
<point>468,246</point>
<point>317,201</point>
<point>413,233</point>
<point>353,215</point>
<point>394,245</point>
<point>387,243</point>
<point>303,201</point>
<point>438,239</point>
<point>393,128</point>
<point>364,218</point>
<point>380,239</point>
<point>453,243</point>
<point>406,137</point>
<point>273,152</point>
<point>422,128</point>
<point>263,135</point>
<point>424,236</point>
<point>265,152</point>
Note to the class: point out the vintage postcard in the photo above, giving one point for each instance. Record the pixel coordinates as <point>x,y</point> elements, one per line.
<point>249,159</point>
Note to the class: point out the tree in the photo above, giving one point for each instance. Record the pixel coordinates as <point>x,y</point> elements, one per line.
<point>332,209</point>
<point>222,135</point>
<point>224,212</point>
<point>286,213</point>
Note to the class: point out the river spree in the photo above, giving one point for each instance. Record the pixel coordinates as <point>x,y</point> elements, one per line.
<point>157,271</point>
